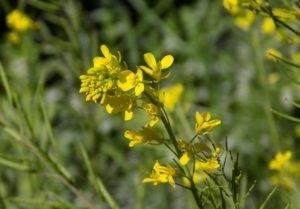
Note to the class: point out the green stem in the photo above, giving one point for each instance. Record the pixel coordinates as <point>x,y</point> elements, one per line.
<point>171,134</point>
<point>165,120</point>
<point>169,129</point>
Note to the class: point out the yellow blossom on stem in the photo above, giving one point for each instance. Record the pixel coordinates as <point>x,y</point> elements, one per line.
<point>161,174</point>
<point>280,160</point>
<point>170,96</point>
<point>128,80</point>
<point>204,124</point>
<point>209,165</point>
<point>231,6</point>
<point>245,21</point>
<point>100,84</point>
<point>153,112</point>
<point>155,68</point>
<point>111,63</point>
<point>268,26</point>
<point>100,79</point>
<point>145,136</point>
<point>20,22</point>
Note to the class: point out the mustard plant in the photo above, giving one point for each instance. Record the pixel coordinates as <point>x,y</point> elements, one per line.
<point>197,164</point>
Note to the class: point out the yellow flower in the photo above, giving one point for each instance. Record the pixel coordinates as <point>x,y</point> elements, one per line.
<point>100,79</point>
<point>161,174</point>
<point>204,124</point>
<point>231,6</point>
<point>20,22</point>
<point>100,84</point>
<point>154,69</point>
<point>268,26</point>
<point>209,165</point>
<point>13,37</point>
<point>120,103</point>
<point>190,149</point>
<point>111,63</point>
<point>153,112</point>
<point>245,21</point>
<point>280,160</point>
<point>272,53</point>
<point>145,136</point>
<point>128,80</point>
<point>170,96</point>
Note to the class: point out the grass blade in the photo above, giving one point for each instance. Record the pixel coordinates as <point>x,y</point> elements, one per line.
<point>268,198</point>
<point>97,182</point>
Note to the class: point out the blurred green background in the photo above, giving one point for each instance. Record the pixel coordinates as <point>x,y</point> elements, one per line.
<point>223,70</point>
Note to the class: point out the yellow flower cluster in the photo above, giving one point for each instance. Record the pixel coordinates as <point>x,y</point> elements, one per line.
<point>286,170</point>
<point>245,12</point>
<point>243,18</point>
<point>119,89</point>
<point>111,84</point>
<point>204,125</point>
<point>18,22</point>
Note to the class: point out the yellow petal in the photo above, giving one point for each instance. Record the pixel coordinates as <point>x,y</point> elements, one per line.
<point>139,89</point>
<point>146,70</point>
<point>128,114</point>
<point>150,60</point>
<point>132,143</point>
<point>98,62</point>
<point>126,80</point>
<point>170,96</point>
<point>185,158</point>
<point>166,61</point>
<point>268,26</point>
<point>109,108</point>
<point>199,118</point>
<point>105,51</point>
<point>129,134</point>
<point>139,74</point>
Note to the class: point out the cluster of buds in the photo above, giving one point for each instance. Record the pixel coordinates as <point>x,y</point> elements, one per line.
<point>19,23</point>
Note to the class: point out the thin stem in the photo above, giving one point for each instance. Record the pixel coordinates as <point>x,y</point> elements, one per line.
<point>171,134</point>
<point>169,148</point>
<point>166,122</point>
<point>194,137</point>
